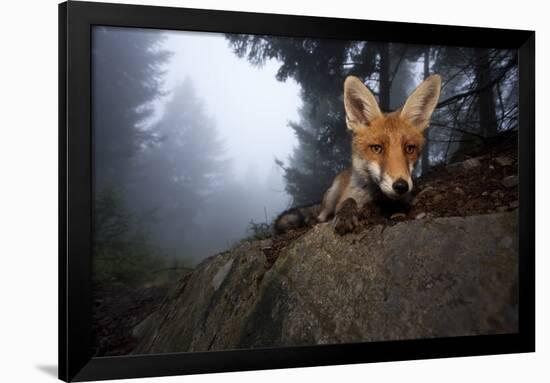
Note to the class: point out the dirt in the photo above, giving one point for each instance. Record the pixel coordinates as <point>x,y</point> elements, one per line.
<point>279,242</point>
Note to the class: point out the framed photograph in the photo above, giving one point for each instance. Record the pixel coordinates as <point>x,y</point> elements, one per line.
<point>245,191</point>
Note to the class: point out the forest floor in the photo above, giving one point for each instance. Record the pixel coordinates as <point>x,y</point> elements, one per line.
<point>118,308</point>
<point>482,184</point>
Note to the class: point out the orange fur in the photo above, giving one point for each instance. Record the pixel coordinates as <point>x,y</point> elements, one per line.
<point>393,134</point>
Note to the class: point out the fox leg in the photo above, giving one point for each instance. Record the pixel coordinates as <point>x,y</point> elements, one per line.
<point>330,199</point>
<point>348,208</point>
<point>346,218</point>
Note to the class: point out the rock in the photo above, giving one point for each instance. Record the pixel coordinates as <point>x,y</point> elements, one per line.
<point>510,181</point>
<point>140,329</point>
<point>459,190</point>
<point>471,163</point>
<point>453,276</point>
<point>420,215</point>
<point>485,193</point>
<point>222,273</point>
<point>501,208</point>
<point>468,164</point>
<point>504,161</point>
<point>514,204</point>
<point>497,194</point>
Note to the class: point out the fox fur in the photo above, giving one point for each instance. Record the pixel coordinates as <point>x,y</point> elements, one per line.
<point>296,217</point>
<point>385,148</point>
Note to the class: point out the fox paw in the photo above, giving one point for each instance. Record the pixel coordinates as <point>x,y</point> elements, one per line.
<point>347,218</point>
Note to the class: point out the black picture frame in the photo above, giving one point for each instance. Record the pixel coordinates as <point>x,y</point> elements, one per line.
<point>75,190</point>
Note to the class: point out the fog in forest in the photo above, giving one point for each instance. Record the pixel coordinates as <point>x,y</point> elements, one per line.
<point>202,139</point>
<point>250,108</point>
<point>249,112</point>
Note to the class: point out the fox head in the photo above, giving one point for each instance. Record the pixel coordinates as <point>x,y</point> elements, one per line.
<point>385,147</point>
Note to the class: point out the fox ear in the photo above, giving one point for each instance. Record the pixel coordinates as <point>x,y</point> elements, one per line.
<point>361,106</point>
<point>421,103</point>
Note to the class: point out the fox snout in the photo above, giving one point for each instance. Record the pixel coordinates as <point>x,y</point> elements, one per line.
<point>395,188</point>
<point>400,186</point>
<point>392,177</point>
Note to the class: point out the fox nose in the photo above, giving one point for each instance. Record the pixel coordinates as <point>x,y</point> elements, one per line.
<point>400,186</point>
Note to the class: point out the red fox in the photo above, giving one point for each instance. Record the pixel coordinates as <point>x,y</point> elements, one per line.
<point>385,148</point>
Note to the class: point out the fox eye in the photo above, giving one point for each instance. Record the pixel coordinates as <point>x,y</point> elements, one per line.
<point>376,148</point>
<point>409,149</point>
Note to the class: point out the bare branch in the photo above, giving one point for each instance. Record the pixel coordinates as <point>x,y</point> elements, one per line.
<point>481,88</point>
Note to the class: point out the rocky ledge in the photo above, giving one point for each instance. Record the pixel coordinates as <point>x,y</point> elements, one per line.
<point>429,277</point>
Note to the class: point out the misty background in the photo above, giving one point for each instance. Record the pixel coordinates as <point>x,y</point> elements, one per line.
<point>202,139</point>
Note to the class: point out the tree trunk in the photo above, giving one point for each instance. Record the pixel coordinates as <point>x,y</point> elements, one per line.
<point>384,71</point>
<point>425,162</point>
<point>486,102</point>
